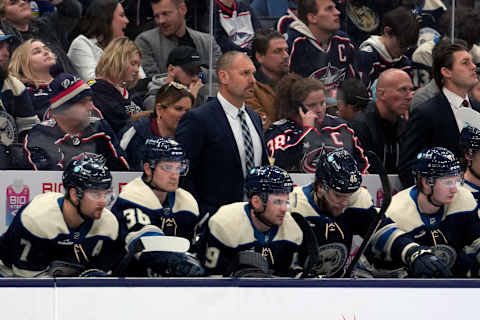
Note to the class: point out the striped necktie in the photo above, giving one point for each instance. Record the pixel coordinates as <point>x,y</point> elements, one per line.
<point>247,142</point>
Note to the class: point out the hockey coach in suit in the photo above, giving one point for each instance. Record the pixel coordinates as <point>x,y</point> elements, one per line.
<point>223,138</point>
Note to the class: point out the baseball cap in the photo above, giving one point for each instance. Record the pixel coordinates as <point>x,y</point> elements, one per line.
<point>185,57</point>
<point>4,36</point>
<point>67,89</point>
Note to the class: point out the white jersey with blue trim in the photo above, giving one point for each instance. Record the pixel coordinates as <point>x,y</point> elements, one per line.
<point>39,235</point>
<point>473,188</point>
<point>137,206</point>
<point>231,231</point>
<point>449,232</point>
<point>334,234</point>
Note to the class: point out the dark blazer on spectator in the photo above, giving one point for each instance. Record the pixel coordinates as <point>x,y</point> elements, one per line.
<point>431,124</point>
<point>215,177</point>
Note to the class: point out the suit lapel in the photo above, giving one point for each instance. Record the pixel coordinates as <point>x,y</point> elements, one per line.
<point>221,121</point>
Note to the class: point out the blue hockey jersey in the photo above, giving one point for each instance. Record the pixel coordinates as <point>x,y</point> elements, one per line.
<point>334,234</point>
<point>331,62</point>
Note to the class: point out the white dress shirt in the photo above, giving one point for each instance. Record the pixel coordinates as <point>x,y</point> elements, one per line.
<point>456,103</point>
<point>232,115</point>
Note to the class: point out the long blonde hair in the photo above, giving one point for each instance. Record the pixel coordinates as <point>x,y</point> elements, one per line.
<point>115,60</point>
<point>20,65</point>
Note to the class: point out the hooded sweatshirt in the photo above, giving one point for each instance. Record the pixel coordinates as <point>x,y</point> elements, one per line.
<point>331,62</point>
<point>373,58</point>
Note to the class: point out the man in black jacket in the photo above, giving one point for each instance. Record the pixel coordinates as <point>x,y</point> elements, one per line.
<point>381,124</point>
<point>434,122</point>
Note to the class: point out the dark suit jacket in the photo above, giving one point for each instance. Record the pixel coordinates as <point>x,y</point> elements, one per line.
<point>215,177</point>
<point>431,124</point>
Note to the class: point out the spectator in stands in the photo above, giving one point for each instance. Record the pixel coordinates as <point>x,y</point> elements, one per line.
<point>296,141</point>
<point>270,51</point>
<point>317,49</point>
<point>381,125</point>
<point>52,29</point>
<point>16,111</point>
<point>171,102</point>
<point>234,26</point>
<point>467,28</point>
<point>171,31</point>
<point>31,63</point>
<point>434,122</point>
<point>184,67</point>
<point>140,15</point>
<point>103,21</point>
<point>352,98</point>
<point>52,144</point>
<point>284,22</point>
<point>116,72</point>
<point>379,53</point>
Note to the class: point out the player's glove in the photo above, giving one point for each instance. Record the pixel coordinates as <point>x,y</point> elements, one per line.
<point>423,263</point>
<point>171,264</point>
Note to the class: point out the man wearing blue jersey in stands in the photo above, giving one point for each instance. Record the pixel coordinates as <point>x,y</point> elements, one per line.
<point>317,49</point>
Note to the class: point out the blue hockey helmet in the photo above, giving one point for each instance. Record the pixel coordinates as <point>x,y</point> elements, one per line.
<point>435,163</point>
<point>157,149</point>
<point>338,170</point>
<point>267,180</point>
<point>87,171</point>
<point>470,138</point>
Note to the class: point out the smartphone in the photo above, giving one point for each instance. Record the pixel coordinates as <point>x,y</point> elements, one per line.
<point>304,109</point>
<point>202,77</point>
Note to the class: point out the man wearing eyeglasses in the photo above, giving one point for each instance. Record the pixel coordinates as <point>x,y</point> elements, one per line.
<point>261,225</point>
<point>336,207</point>
<point>431,229</point>
<point>156,200</point>
<point>67,234</point>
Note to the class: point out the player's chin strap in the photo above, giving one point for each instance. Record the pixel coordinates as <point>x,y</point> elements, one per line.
<point>259,214</point>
